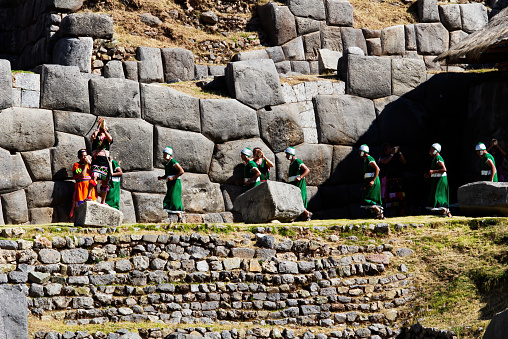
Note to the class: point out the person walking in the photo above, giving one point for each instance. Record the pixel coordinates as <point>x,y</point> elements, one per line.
<point>264,165</point>
<point>371,197</point>
<point>439,196</point>
<point>296,176</point>
<point>172,203</point>
<point>113,197</point>
<point>488,170</point>
<point>251,172</point>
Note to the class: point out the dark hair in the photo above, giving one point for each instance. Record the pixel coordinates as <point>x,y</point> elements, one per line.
<point>83,150</point>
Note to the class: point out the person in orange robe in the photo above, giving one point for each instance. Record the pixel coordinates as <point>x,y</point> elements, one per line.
<point>81,174</point>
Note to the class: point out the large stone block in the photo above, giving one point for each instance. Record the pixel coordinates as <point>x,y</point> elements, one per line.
<point>374,46</point>
<point>314,9</point>
<point>345,120</point>
<point>369,77</point>
<point>150,68</point>
<point>279,128</point>
<point>347,166</point>
<point>270,201</point>
<point>331,38</point>
<point>15,208</point>
<point>49,193</point>
<point>278,22</point>
<point>73,123</point>
<point>38,164</point>
<point>127,207</point>
<point>427,11</point>
<point>498,326</point>
<point>400,121</point>
<point>450,16</point>
<point>311,45</point>
<point>484,198</point>
<point>113,97</point>
<point>252,55</point>
<point>144,181</point>
<point>92,214</point>
<point>14,318</point>
<point>178,64</point>
<point>74,52</point>
<point>431,38</point>
<point>5,84</point>
<point>410,37</point>
<point>167,107</point>
<point>339,13</point>
<point>67,5</point>
<point>97,26</point>
<point>132,156</point>
<point>275,53</point>
<point>230,193</point>
<point>42,215</point>
<point>200,195</point>
<point>63,88</point>
<point>227,119</point>
<point>149,207</point>
<point>328,60</point>
<point>474,17</point>
<point>13,173</point>
<point>352,37</point>
<point>130,69</point>
<point>456,37</point>
<point>407,74</point>
<point>255,83</point>
<point>393,40</point>
<point>294,49</point>
<point>306,25</point>
<point>227,166</point>
<point>26,129</point>
<point>64,154</point>
<point>114,69</point>
<point>192,150</point>
<point>317,157</point>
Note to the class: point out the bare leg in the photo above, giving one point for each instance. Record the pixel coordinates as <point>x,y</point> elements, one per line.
<point>92,187</point>
<point>104,191</point>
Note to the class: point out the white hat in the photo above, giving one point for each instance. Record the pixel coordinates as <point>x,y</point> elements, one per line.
<point>480,146</point>
<point>437,147</point>
<point>290,150</point>
<point>364,148</point>
<point>168,150</point>
<point>247,151</point>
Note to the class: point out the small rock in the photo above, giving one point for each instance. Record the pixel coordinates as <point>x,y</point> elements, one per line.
<point>403,268</point>
<point>209,17</point>
<point>150,19</point>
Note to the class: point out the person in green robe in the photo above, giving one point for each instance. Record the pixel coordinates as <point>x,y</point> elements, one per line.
<point>263,163</point>
<point>371,197</point>
<point>172,202</point>
<point>251,173</point>
<point>439,195</point>
<point>113,197</point>
<point>487,165</point>
<point>296,176</point>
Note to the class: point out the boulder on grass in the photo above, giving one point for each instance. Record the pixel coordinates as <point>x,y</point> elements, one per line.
<point>484,198</point>
<point>92,214</point>
<point>270,201</point>
<point>13,319</point>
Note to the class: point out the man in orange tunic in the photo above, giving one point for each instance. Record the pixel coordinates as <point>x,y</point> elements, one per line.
<point>81,174</point>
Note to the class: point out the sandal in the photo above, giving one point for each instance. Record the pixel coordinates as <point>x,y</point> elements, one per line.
<point>309,218</point>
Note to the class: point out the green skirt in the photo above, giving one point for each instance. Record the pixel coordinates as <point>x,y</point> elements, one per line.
<point>372,194</point>
<point>303,189</point>
<point>173,200</point>
<point>439,196</point>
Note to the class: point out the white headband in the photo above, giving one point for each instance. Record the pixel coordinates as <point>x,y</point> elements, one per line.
<point>291,151</point>
<point>168,150</point>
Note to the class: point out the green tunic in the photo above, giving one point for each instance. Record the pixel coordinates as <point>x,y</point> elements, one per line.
<point>486,169</point>
<point>295,169</point>
<point>248,172</point>
<point>113,197</point>
<point>439,196</point>
<point>371,194</point>
<point>265,171</point>
<point>173,200</point>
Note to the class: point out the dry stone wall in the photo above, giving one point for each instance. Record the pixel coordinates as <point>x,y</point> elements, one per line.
<point>205,279</point>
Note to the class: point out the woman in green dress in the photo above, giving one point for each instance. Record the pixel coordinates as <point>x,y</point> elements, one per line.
<point>439,196</point>
<point>263,164</point>
<point>172,202</point>
<point>371,198</point>
<point>251,173</point>
<point>488,164</point>
<point>296,176</point>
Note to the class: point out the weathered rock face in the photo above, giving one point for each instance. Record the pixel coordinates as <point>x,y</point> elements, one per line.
<point>65,154</point>
<point>167,107</point>
<point>49,193</point>
<point>270,201</point>
<point>178,64</point>
<point>16,210</point>
<point>345,120</point>
<point>26,129</point>
<point>5,84</point>
<point>200,195</point>
<point>87,25</point>
<point>14,174</point>
<point>254,82</point>
<point>308,8</point>
<point>431,38</point>
<point>279,128</point>
<point>347,166</point>
<point>393,40</point>
<point>484,198</point>
<point>227,119</point>
<point>115,98</point>
<point>92,214</point>
<point>368,77</point>
<point>340,13</point>
<point>497,327</point>
<point>192,150</point>
<point>407,74</point>
<point>13,319</point>
<point>73,123</point>
<point>278,22</point>
<point>148,207</point>
<point>74,52</point>
<point>38,164</point>
<point>150,68</point>
<point>474,17</point>
<point>114,69</point>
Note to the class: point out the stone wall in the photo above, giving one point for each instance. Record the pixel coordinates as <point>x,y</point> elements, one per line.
<point>98,276</point>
